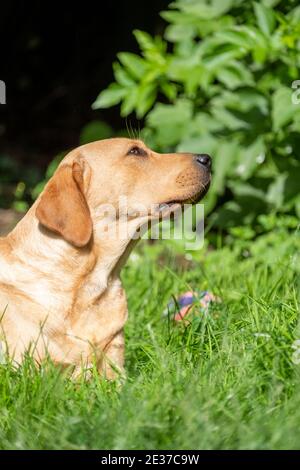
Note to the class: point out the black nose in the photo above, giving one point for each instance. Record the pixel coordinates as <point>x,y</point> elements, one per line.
<point>204,159</point>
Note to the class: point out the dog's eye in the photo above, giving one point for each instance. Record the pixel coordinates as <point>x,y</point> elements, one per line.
<point>138,151</point>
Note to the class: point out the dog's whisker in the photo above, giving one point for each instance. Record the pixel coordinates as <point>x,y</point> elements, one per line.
<point>127,127</point>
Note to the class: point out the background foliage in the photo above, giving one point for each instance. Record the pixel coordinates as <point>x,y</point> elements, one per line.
<point>217,80</point>
<point>220,81</point>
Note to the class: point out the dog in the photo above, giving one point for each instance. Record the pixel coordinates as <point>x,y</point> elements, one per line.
<point>60,289</point>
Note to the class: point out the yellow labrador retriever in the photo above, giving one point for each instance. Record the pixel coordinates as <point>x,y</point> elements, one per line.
<point>60,289</point>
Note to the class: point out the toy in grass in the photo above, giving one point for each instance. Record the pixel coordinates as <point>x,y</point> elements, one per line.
<point>178,309</point>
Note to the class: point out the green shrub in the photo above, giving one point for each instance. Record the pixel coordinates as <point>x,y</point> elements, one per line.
<point>220,81</point>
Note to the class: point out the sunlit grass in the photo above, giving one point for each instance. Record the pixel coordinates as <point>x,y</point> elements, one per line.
<point>225,380</point>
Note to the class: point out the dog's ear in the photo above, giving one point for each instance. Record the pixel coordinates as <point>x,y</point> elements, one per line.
<point>63,208</point>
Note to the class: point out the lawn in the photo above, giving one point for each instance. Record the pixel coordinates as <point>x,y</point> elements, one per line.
<point>227,380</point>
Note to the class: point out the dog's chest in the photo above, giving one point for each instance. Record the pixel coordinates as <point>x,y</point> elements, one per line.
<point>71,334</point>
<point>104,316</point>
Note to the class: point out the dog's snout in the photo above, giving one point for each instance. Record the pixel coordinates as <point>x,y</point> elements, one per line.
<point>204,160</point>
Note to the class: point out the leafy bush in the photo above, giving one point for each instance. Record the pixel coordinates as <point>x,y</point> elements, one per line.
<point>220,81</point>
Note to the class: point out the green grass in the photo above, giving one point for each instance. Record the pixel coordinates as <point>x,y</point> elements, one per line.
<point>225,381</point>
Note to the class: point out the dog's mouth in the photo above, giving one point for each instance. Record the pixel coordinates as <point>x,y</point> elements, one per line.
<point>173,206</point>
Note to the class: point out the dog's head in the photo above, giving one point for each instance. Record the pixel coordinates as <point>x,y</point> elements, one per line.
<point>119,172</point>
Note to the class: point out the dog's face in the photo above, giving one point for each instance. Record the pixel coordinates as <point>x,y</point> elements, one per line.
<point>113,171</point>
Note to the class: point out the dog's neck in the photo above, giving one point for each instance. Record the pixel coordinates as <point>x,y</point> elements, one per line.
<point>85,272</point>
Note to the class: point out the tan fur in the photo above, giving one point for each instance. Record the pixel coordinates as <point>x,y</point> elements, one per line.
<point>60,289</point>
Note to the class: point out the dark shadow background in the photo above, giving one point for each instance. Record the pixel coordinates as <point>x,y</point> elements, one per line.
<point>55,59</point>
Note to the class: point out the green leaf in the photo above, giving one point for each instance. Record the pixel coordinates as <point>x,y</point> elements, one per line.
<point>283,108</point>
<point>169,90</point>
<point>250,157</point>
<point>214,61</point>
<point>95,130</point>
<point>20,190</point>
<point>207,10</point>
<point>270,3</point>
<point>228,120</point>
<point>135,65</point>
<point>20,206</point>
<point>144,40</point>
<point>223,163</point>
<point>265,17</point>
<point>130,101</point>
<point>243,189</point>
<point>275,195</point>
<point>122,77</point>
<point>238,36</point>
<point>147,95</point>
<point>54,164</point>
<point>243,99</point>
<point>205,143</point>
<point>297,206</point>
<point>180,32</point>
<point>177,17</point>
<point>242,232</point>
<point>170,122</point>
<point>109,97</point>
<point>36,191</point>
<point>235,75</point>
